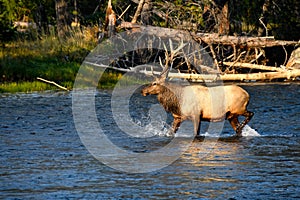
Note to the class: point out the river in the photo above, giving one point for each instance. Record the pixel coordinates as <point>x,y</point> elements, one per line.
<point>43,157</point>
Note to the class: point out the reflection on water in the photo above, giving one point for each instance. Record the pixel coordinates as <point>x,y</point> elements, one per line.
<point>42,156</point>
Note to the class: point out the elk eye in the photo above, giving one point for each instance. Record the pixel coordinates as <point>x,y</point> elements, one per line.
<point>154,83</point>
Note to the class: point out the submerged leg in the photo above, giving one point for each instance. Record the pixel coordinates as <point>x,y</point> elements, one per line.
<point>248,115</point>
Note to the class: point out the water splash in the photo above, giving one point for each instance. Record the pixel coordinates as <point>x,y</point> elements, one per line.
<point>249,132</point>
<point>159,127</point>
<point>152,127</point>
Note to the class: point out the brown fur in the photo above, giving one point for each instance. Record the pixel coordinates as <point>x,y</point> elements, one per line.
<point>169,100</point>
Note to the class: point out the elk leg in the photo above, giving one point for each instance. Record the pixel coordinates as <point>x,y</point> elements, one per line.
<point>234,122</point>
<point>197,125</point>
<point>175,125</point>
<point>248,115</point>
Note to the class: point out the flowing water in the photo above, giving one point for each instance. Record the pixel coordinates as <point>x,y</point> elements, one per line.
<point>42,156</point>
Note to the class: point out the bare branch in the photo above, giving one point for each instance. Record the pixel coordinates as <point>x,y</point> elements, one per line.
<point>286,55</point>
<point>53,83</point>
<point>261,21</point>
<point>124,12</point>
<point>138,12</point>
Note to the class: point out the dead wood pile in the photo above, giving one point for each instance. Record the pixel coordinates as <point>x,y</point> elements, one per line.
<point>235,58</point>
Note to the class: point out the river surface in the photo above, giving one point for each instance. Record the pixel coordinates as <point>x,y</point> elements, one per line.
<point>43,157</point>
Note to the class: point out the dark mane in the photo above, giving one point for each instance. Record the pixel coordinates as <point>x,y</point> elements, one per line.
<point>169,98</point>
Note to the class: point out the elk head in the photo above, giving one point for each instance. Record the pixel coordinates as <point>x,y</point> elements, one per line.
<point>155,87</point>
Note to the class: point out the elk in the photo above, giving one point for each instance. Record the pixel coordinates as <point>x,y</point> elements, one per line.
<point>199,103</point>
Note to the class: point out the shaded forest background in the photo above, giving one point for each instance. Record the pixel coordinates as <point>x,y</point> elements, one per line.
<point>248,17</point>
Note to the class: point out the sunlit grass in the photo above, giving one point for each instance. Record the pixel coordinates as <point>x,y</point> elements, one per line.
<point>22,61</point>
<point>14,87</point>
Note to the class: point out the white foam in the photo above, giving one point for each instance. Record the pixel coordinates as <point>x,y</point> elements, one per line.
<point>150,127</point>
<point>249,132</point>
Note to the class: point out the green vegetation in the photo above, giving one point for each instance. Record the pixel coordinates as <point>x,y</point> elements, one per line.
<point>22,61</point>
<point>24,87</point>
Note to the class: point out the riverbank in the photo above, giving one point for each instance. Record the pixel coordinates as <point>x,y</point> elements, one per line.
<point>107,81</point>
<point>22,61</point>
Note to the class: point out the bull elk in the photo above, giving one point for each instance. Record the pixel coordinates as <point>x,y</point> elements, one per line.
<point>194,102</point>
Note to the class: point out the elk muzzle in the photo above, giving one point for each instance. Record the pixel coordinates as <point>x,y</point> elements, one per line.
<point>145,91</point>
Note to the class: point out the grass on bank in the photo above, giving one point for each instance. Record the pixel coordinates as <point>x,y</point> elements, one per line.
<point>22,61</point>
<point>107,81</point>
<point>47,57</point>
<point>24,87</point>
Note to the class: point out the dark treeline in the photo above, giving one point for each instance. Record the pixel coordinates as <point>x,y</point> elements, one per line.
<point>279,18</point>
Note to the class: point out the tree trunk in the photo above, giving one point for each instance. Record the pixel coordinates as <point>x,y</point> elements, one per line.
<point>110,20</point>
<point>242,41</point>
<point>146,13</point>
<point>262,29</point>
<point>223,20</point>
<point>61,18</point>
<point>76,14</point>
<point>216,17</point>
<point>41,20</point>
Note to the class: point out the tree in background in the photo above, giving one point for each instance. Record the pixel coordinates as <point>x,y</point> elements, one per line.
<point>146,13</point>
<point>280,17</point>
<point>259,17</point>
<point>7,17</point>
<point>61,18</point>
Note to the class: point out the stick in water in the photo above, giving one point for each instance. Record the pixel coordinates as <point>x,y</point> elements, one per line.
<point>53,83</point>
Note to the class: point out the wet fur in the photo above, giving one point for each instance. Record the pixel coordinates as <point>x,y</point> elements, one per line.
<point>169,100</point>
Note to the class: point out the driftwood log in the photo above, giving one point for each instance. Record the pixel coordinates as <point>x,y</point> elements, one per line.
<point>210,38</point>
<point>294,61</point>
<point>269,76</point>
<point>254,66</point>
<point>242,40</point>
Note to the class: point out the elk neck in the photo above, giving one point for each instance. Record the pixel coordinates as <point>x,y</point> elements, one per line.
<point>169,97</point>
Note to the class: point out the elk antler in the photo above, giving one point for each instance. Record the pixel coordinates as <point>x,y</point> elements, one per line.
<point>169,58</point>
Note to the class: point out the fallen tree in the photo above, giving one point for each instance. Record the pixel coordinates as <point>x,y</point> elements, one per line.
<point>210,38</point>
<point>244,41</point>
<point>247,54</point>
<point>266,76</point>
<point>231,58</point>
<point>254,66</point>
